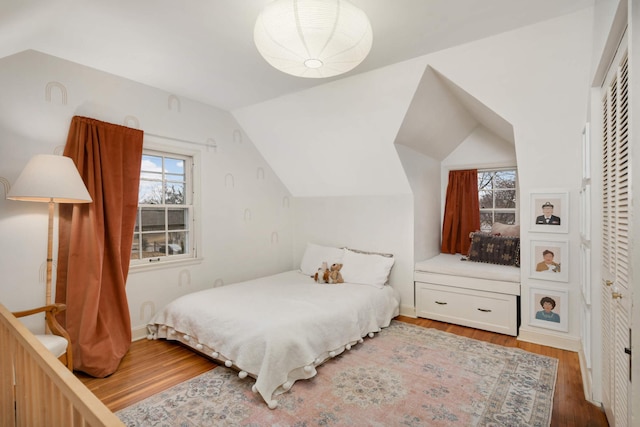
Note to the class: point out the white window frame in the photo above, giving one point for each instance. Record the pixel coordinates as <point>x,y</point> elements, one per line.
<point>192,190</point>
<point>495,210</point>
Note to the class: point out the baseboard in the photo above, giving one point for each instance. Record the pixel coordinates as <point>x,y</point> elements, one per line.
<point>139,333</point>
<point>587,384</point>
<point>563,342</point>
<point>408,311</point>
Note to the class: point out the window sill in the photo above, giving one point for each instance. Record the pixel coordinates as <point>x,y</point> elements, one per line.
<point>152,266</point>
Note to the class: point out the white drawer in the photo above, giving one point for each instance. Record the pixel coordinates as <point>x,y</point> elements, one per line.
<point>486,285</point>
<point>478,309</point>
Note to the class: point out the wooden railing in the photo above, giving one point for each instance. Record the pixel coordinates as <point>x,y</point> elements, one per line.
<point>36,389</point>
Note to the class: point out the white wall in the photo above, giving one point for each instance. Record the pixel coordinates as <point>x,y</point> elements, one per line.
<point>607,14</point>
<point>481,148</point>
<point>235,245</point>
<point>423,173</point>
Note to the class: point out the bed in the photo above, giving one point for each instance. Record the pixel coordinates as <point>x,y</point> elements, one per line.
<point>279,329</point>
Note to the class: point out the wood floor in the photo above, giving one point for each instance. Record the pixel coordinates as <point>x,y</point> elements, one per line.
<point>153,366</point>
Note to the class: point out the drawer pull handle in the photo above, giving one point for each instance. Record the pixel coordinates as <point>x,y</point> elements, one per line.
<point>484,310</point>
<point>441,303</point>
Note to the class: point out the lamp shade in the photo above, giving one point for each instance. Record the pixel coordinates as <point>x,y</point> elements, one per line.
<point>49,178</point>
<point>313,38</point>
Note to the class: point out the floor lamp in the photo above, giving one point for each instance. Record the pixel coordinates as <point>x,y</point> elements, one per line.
<point>50,179</point>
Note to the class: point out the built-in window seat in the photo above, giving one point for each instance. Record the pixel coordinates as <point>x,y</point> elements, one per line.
<point>475,294</point>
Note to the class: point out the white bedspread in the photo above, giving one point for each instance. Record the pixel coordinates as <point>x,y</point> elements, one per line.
<point>276,328</point>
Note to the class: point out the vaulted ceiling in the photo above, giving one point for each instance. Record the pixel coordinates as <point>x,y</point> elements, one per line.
<point>203,49</point>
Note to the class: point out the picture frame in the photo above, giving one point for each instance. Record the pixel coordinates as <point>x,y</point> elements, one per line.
<point>585,212</point>
<point>549,260</point>
<point>585,273</point>
<point>549,308</point>
<point>549,212</point>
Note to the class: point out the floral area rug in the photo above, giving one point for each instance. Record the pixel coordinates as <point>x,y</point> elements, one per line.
<point>405,376</point>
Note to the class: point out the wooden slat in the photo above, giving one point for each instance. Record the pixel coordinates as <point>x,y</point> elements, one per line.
<point>45,391</point>
<point>148,368</point>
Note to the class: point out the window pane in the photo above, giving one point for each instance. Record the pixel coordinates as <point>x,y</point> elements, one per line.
<point>174,166</point>
<point>153,245</point>
<point>177,242</point>
<point>484,180</point>
<point>486,220</point>
<point>504,179</point>
<point>150,193</point>
<point>152,219</point>
<point>151,163</point>
<point>175,194</point>
<point>505,199</point>
<point>135,248</point>
<point>485,199</point>
<point>174,178</point>
<point>178,219</point>
<point>151,176</point>
<point>505,217</point>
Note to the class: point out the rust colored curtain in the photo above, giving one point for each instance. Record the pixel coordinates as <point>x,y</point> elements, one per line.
<point>95,241</point>
<point>461,212</point>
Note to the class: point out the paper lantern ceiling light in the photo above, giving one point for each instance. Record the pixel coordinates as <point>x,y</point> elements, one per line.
<point>313,38</point>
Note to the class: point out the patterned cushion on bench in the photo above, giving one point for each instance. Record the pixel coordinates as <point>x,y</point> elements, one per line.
<point>492,249</point>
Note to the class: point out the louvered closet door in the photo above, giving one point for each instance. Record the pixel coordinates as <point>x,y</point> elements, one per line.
<point>616,296</point>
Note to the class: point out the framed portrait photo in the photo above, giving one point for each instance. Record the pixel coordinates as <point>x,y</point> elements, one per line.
<point>549,260</point>
<point>549,308</point>
<point>549,212</point>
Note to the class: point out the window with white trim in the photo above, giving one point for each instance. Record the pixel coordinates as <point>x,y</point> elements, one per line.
<point>497,193</point>
<point>164,229</point>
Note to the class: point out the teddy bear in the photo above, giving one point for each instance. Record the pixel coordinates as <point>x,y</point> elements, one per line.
<point>322,275</point>
<point>334,274</point>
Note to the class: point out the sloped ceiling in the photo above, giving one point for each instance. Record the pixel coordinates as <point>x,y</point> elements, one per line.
<point>442,115</point>
<point>203,49</point>
<point>482,113</point>
<point>337,140</point>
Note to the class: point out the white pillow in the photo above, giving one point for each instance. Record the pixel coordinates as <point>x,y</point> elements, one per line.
<point>505,230</point>
<point>315,255</point>
<point>366,269</point>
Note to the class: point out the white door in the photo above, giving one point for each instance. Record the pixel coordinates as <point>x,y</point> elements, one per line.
<point>616,223</point>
